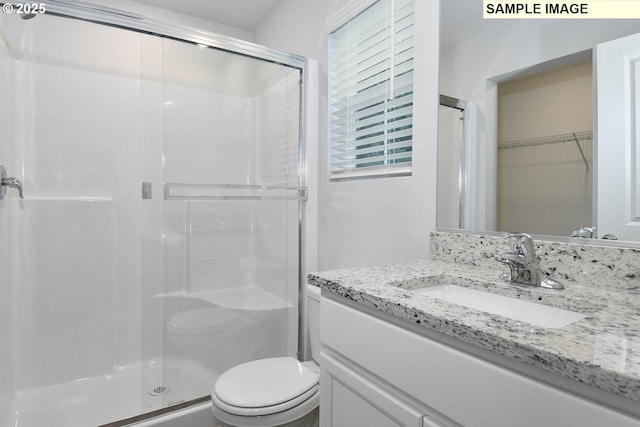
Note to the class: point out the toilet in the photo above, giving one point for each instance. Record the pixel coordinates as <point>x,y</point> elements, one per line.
<point>278,391</point>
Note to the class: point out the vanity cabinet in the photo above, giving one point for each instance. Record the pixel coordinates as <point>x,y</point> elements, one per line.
<point>350,399</point>
<point>379,372</point>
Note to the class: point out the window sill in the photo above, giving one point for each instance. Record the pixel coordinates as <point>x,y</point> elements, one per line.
<point>385,173</point>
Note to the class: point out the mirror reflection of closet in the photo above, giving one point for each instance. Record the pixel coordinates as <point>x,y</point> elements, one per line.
<point>545,151</point>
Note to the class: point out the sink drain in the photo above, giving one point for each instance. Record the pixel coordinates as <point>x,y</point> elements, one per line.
<point>159,391</point>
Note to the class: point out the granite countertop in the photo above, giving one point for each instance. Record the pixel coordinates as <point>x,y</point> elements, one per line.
<point>601,350</point>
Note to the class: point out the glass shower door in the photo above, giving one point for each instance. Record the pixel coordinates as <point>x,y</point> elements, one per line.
<point>228,215</point>
<point>113,305</point>
<point>71,131</point>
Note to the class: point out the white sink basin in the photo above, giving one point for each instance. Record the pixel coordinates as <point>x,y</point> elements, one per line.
<point>524,311</point>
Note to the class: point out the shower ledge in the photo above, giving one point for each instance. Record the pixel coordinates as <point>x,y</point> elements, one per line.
<point>249,297</point>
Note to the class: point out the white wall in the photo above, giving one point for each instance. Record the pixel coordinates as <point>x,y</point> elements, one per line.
<point>470,69</point>
<point>468,64</point>
<point>379,220</point>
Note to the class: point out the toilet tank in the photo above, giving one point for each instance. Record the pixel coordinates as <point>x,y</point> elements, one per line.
<point>313,320</point>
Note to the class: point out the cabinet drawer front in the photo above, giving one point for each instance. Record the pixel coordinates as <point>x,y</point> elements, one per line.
<point>469,390</point>
<point>349,400</point>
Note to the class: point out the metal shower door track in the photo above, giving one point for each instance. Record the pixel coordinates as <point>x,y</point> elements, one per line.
<point>137,22</point>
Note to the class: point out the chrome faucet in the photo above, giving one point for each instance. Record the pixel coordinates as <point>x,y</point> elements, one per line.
<point>13,183</point>
<point>587,232</point>
<point>9,182</point>
<point>523,263</point>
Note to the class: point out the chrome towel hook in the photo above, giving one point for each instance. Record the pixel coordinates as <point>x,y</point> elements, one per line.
<point>6,181</point>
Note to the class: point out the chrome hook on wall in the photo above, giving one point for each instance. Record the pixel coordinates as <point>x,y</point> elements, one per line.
<point>6,181</point>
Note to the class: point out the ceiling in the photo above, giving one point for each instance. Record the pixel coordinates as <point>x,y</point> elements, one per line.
<point>459,18</point>
<point>243,14</point>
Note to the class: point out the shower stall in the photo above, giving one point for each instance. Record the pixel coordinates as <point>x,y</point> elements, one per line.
<point>158,240</point>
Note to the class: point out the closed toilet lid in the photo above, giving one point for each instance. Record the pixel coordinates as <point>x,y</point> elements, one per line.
<point>202,320</point>
<point>265,383</point>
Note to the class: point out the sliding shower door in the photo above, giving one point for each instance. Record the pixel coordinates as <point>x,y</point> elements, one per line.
<point>226,186</point>
<point>71,132</point>
<point>157,241</point>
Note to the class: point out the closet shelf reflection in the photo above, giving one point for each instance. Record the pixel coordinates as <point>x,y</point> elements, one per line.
<point>193,191</point>
<point>553,139</point>
<point>544,140</point>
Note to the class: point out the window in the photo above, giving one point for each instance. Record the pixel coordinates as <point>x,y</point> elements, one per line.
<point>371,91</point>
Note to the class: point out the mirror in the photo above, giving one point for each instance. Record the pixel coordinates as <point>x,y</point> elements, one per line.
<point>490,67</point>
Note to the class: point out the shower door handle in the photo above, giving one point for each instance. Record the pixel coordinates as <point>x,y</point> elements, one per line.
<point>6,181</point>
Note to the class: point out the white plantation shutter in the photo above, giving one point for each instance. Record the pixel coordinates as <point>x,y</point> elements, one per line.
<point>371,91</point>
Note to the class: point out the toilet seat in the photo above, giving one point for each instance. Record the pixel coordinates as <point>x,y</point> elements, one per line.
<point>266,386</point>
<point>265,410</point>
<point>295,414</point>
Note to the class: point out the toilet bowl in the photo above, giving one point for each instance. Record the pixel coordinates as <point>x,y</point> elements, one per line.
<point>278,391</point>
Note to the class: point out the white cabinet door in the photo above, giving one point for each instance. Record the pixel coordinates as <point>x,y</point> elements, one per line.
<point>350,400</point>
<point>618,138</point>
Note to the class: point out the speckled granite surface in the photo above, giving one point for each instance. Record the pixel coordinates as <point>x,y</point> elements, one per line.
<point>569,262</point>
<point>602,350</point>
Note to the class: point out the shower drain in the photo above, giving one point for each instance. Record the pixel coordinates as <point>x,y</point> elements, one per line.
<point>159,391</point>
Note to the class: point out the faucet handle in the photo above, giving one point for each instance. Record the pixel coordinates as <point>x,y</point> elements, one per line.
<point>522,244</point>
<point>6,181</point>
<point>523,263</point>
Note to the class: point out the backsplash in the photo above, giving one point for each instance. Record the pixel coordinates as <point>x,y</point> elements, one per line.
<point>568,262</point>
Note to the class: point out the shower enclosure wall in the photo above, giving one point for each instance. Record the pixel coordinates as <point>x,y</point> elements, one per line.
<point>157,243</point>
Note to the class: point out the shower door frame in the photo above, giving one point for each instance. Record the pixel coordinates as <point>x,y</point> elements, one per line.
<point>140,23</point>
<point>102,15</point>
